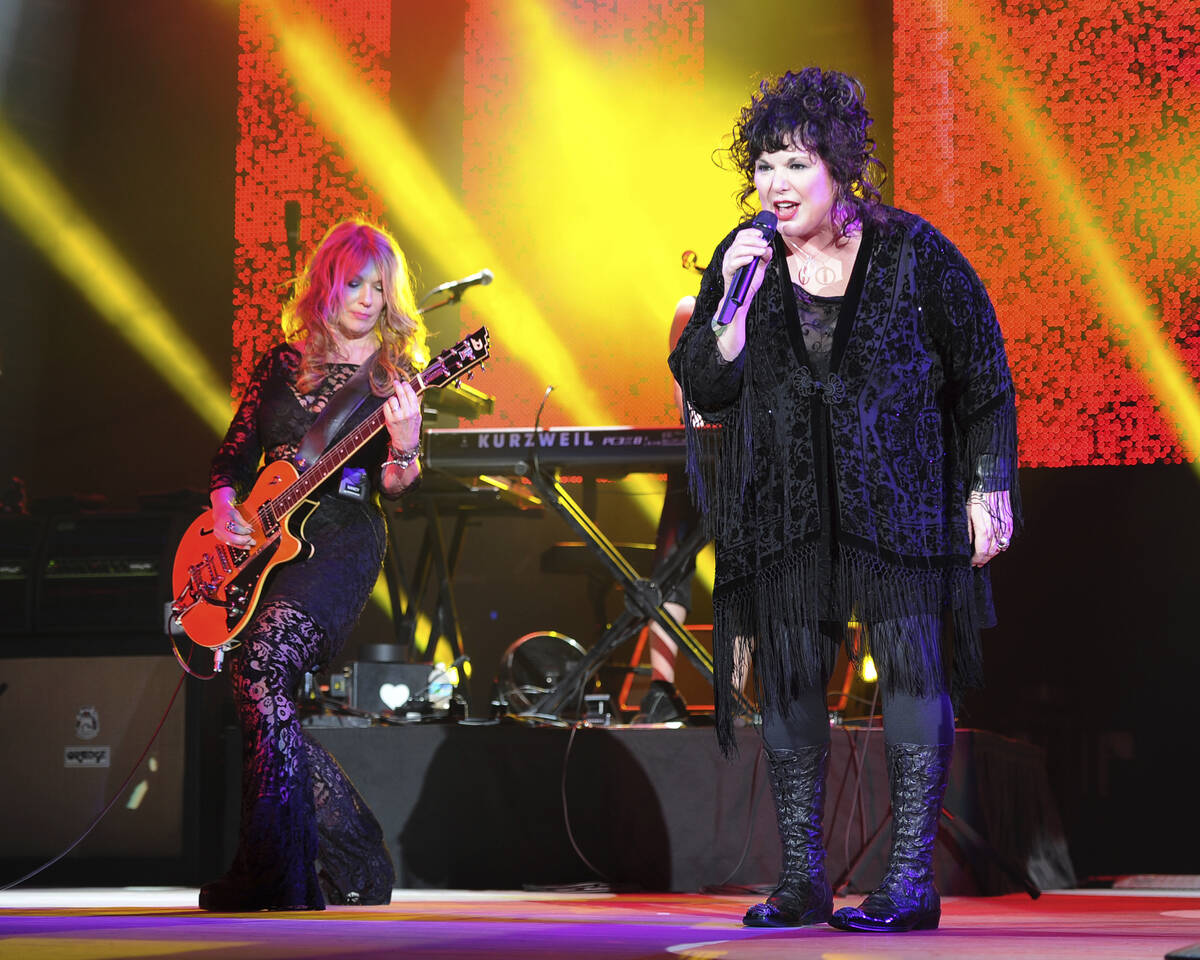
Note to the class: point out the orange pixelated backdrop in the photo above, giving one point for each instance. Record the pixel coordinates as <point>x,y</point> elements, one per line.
<point>293,181</point>
<point>1022,130</point>
<point>1054,142</point>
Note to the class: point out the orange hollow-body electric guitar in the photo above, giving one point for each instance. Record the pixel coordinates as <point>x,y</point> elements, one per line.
<point>216,586</point>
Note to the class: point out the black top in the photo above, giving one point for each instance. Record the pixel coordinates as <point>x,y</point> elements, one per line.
<point>818,321</point>
<point>348,538</point>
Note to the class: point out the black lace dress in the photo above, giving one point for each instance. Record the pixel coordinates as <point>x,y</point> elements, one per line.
<point>306,836</point>
<point>836,458</point>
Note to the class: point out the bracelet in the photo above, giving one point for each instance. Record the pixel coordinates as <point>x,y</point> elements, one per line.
<point>402,458</point>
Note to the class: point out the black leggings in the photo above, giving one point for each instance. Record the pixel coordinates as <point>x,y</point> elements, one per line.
<point>907,718</point>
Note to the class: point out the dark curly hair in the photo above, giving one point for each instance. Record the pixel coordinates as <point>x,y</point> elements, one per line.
<point>825,112</point>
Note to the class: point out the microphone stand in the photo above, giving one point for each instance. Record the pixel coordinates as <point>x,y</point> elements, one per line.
<point>454,296</point>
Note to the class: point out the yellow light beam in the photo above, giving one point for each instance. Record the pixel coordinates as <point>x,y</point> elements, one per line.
<point>41,208</point>
<point>33,199</point>
<point>624,130</point>
<point>392,160</point>
<point>635,104</point>
<point>1118,298</point>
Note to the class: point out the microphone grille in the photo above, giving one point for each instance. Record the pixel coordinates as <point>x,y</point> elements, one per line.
<point>766,221</point>
<point>485,276</point>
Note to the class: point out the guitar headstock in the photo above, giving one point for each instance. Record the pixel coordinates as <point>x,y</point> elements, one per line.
<point>453,362</point>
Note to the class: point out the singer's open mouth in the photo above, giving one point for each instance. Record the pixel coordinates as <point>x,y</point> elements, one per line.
<point>786,209</point>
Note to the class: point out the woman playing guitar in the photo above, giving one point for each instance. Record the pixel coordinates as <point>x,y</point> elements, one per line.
<point>352,306</point>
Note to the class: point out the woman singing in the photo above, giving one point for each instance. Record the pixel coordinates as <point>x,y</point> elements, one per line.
<point>306,836</point>
<point>859,462</point>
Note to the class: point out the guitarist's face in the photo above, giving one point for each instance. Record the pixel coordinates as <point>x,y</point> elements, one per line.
<point>362,303</point>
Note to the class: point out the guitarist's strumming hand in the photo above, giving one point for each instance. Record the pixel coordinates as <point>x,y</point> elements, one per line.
<point>228,525</point>
<point>402,416</point>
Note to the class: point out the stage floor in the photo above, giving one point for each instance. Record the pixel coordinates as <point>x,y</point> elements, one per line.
<point>106,924</point>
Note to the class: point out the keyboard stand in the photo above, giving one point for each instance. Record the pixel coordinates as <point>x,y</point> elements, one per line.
<point>435,563</point>
<point>433,572</point>
<point>643,602</point>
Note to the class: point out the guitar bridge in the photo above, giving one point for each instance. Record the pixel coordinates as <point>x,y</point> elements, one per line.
<point>204,580</point>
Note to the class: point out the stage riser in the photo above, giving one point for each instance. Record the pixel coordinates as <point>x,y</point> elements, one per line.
<point>474,807</point>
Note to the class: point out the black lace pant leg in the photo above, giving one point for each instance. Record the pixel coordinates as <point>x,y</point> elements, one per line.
<point>353,864</point>
<point>277,843</point>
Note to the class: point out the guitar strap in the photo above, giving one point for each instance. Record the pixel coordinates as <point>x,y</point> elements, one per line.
<point>325,428</point>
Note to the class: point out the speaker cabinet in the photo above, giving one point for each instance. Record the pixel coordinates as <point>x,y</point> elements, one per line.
<point>71,729</point>
<point>20,540</point>
<point>107,572</point>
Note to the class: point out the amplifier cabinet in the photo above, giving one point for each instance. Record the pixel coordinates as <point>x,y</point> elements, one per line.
<point>20,542</point>
<point>70,731</point>
<point>106,572</point>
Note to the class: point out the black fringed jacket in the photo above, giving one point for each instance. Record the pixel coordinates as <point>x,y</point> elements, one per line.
<point>847,496</point>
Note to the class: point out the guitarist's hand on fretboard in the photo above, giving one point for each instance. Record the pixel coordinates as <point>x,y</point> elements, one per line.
<point>228,525</point>
<point>402,417</point>
<point>402,413</point>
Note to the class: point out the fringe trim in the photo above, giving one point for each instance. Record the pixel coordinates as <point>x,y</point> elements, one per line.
<point>989,447</point>
<point>922,628</point>
<point>719,464</point>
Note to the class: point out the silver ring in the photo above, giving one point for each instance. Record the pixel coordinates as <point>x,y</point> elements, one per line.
<point>1002,542</point>
<point>229,525</point>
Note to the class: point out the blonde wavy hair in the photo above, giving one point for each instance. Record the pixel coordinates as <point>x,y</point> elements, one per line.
<point>343,253</point>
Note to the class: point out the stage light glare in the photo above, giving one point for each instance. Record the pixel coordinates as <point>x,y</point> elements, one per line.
<point>395,164</point>
<point>869,673</point>
<point>58,228</point>
<point>618,133</point>
<point>554,155</point>
<point>623,135</point>
<point>137,795</point>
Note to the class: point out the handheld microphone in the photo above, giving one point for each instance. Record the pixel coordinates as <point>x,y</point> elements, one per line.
<point>765,223</point>
<point>483,278</point>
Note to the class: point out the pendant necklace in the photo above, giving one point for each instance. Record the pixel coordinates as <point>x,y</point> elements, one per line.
<point>804,271</point>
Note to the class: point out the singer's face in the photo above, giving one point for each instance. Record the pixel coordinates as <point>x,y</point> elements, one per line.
<point>796,186</point>
<point>361,303</point>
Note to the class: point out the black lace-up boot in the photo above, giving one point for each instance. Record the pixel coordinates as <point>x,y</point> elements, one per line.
<point>803,895</point>
<point>906,898</point>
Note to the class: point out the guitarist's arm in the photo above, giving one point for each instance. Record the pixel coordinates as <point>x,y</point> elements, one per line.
<point>236,460</point>
<point>402,414</point>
